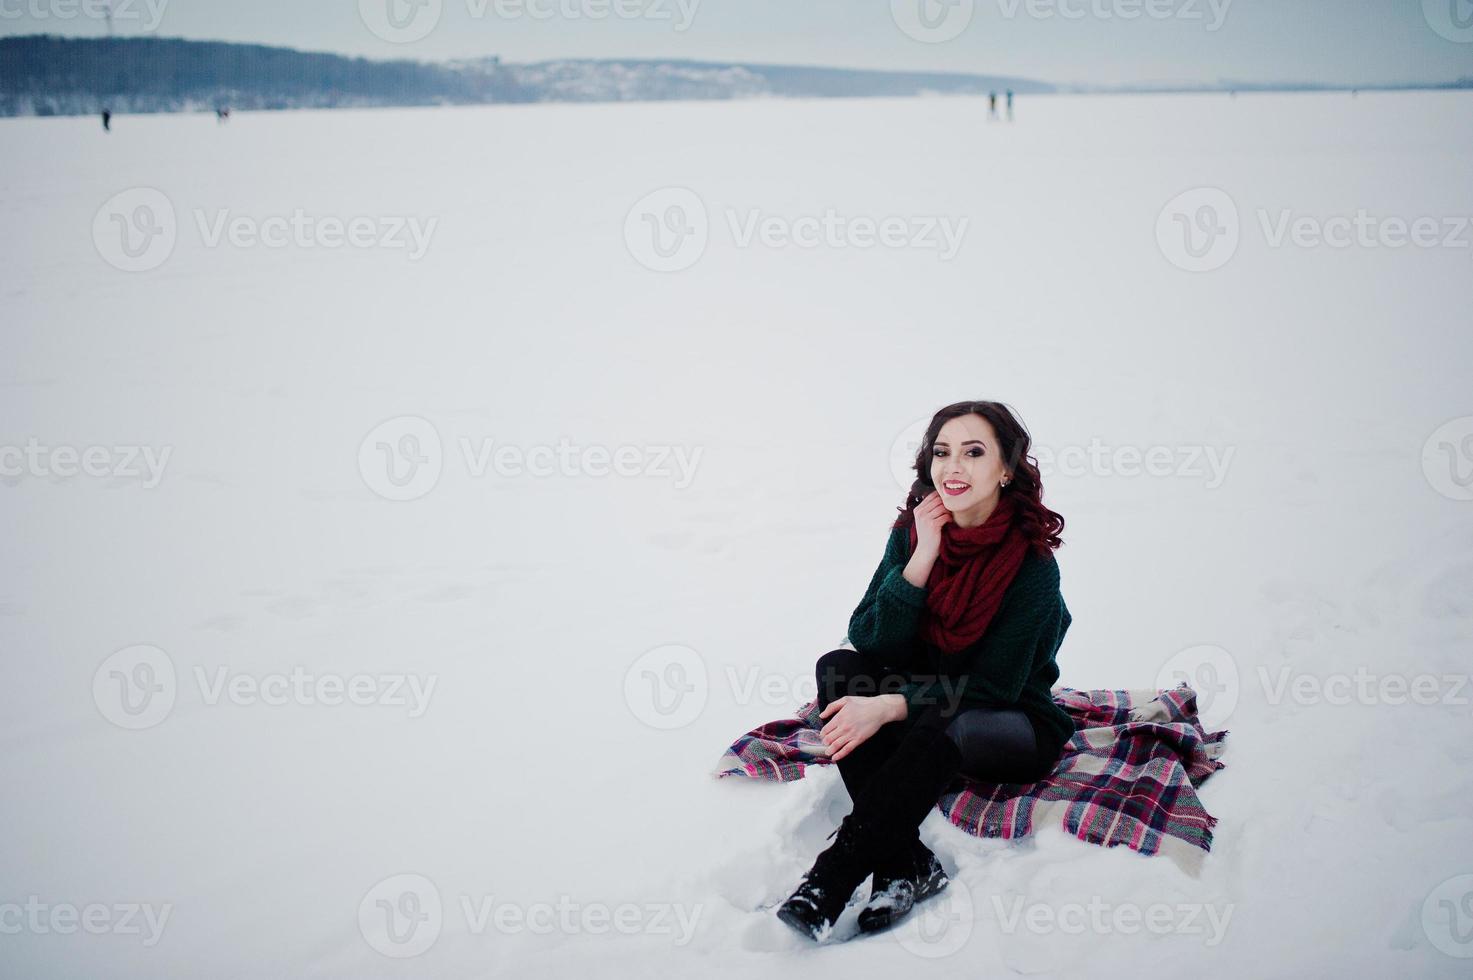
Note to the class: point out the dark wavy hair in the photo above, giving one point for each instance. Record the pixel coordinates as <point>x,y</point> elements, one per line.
<point>1040,525</point>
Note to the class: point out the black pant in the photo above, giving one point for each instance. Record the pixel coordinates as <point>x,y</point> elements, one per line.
<point>997,745</point>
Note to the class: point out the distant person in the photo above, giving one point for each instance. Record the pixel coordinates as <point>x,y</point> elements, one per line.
<point>222,114</point>
<point>107,121</point>
<point>1010,105</point>
<point>991,105</point>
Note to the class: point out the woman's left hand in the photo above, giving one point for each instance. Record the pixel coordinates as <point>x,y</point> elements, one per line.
<point>852,720</point>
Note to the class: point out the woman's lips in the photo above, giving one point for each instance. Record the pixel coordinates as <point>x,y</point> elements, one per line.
<point>952,492</point>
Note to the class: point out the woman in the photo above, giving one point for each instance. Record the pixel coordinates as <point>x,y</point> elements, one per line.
<point>952,667</point>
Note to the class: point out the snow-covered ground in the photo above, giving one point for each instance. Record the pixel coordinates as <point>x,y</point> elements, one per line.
<point>315,459</point>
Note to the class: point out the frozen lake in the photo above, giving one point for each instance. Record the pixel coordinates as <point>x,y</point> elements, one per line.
<point>358,467</point>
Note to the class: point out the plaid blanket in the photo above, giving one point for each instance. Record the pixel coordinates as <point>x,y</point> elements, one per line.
<point>1127,776</point>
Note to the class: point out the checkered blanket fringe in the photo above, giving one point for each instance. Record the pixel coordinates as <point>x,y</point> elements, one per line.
<point>1129,775</point>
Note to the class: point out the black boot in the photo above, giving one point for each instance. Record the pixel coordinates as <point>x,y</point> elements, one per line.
<point>898,887</point>
<point>827,886</point>
<point>886,814</point>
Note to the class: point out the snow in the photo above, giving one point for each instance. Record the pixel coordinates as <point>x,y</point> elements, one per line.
<point>535,785</point>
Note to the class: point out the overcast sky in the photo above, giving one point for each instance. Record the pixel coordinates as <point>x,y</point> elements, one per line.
<point>1065,41</point>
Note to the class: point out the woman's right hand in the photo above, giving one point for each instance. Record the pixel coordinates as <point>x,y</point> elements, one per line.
<point>930,516</point>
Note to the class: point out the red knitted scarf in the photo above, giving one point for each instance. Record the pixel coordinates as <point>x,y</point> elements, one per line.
<point>974,569</point>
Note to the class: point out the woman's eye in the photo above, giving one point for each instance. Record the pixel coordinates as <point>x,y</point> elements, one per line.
<point>974,452</point>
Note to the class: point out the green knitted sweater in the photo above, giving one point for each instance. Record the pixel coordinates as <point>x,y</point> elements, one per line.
<point>1012,665</point>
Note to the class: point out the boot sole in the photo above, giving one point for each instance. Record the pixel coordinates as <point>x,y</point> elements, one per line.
<point>800,925</point>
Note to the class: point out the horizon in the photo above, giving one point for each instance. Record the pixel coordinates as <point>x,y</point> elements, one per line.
<point>1064,88</point>
<point>1064,43</point>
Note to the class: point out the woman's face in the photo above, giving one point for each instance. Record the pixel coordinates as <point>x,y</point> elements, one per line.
<point>966,466</point>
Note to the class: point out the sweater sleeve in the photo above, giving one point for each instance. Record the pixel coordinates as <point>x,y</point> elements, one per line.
<point>995,668</point>
<point>890,612</point>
